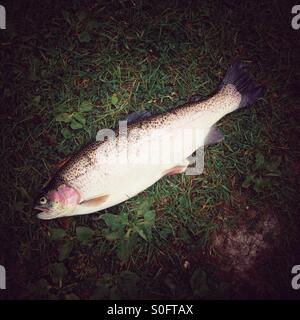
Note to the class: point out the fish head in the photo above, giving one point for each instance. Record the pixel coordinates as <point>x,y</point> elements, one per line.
<point>59,202</point>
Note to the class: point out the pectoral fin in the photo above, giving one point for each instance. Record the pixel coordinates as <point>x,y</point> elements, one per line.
<point>95,201</point>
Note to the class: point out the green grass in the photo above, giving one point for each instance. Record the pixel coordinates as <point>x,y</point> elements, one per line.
<point>68,70</point>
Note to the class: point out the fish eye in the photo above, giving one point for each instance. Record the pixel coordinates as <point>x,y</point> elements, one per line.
<point>43,200</point>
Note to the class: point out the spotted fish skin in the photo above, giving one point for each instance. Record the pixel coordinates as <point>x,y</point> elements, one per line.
<point>95,172</point>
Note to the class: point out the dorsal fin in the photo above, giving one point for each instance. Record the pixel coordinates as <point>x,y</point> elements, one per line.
<point>137,116</point>
<point>195,98</point>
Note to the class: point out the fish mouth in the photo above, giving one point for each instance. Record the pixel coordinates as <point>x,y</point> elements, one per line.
<point>41,208</point>
<point>45,214</point>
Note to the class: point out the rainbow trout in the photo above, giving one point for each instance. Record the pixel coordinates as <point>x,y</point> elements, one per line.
<point>121,164</point>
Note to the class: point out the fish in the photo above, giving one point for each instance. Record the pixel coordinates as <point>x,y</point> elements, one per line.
<point>122,163</point>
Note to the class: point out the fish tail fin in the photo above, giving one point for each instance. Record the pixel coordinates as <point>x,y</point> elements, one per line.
<point>239,77</point>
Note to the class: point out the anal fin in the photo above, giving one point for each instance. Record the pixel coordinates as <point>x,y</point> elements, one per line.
<point>214,136</point>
